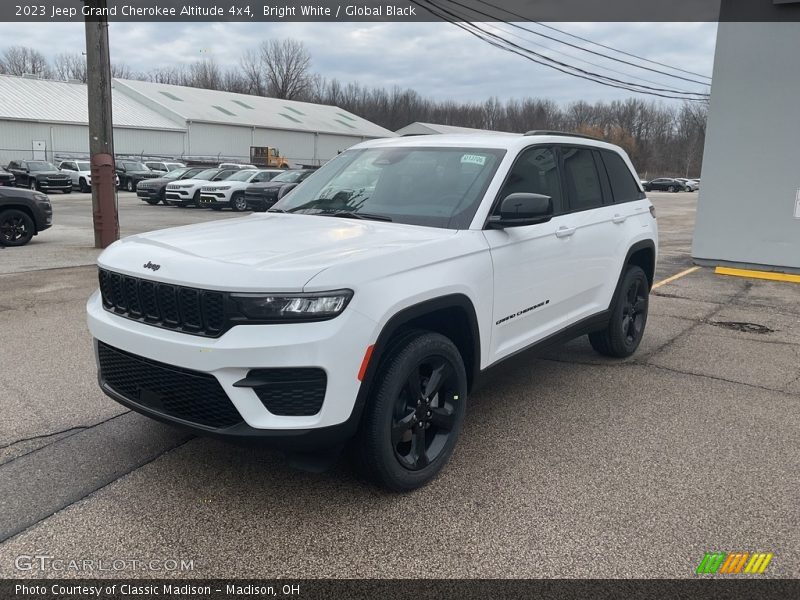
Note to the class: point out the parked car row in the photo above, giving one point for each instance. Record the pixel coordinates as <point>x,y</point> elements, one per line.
<point>671,184</point>
<point>237,189</point>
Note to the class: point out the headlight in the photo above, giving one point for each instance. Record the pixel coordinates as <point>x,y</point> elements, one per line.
<point>223,188</point>
<point>292,307</point>
<point>42,199</point>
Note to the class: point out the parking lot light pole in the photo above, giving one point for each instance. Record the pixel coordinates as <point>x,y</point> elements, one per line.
<point>101,132</point>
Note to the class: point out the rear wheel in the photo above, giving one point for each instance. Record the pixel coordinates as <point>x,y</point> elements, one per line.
<point>16,228</point>
<point>625,328</point>
<point>672,189</point>
<point>414,414</point>
<point>129,185</point>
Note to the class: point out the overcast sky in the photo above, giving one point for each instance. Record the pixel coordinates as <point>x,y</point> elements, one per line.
<point>437,59</point>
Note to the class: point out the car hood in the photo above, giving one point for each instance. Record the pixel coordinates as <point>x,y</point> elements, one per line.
<point>142,173</point>
<point>263,252</point>
<point>192,182</point>
<point>268,185</point>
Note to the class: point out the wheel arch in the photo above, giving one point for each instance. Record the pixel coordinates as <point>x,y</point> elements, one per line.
<point>23,208</point>
<point>643,255</point>
<point>452,315</point>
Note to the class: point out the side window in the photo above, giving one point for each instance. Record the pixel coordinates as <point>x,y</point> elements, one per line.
<point>623,186</point>
<point>260,178</point>
<point>535,172</point>
<point>583,181</point>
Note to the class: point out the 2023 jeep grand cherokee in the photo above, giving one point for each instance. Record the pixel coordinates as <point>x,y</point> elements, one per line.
<point>365,304</point>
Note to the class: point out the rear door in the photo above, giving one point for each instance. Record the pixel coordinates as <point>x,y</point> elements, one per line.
<point>594,240</point>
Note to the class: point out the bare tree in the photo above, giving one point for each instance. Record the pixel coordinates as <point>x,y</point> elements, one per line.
<point>286,66</point>
<point>70,66</point>
<point>20,60</point>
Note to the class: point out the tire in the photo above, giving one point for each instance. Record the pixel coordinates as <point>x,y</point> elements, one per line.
<point>626,325</point>
<point>152,201</point>
<point>196,199</point>
<point>409,432</point>
<point>129,185</point>
<point>671,189</point>
<point>32,184</point>
<point>238,203</point>
<point>83,186</point>
<point>16,228</point>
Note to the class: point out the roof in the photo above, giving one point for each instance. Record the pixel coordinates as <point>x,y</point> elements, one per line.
<point>506,141</point>
<point>227,108</point>
<point>49,101</point>
<point>419,128</point>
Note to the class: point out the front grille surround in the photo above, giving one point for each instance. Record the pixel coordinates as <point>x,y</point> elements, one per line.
<point>189,396</point>
<point>185,309</point>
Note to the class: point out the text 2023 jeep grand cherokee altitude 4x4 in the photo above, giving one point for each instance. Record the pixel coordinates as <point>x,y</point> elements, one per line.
<point>365,303</point>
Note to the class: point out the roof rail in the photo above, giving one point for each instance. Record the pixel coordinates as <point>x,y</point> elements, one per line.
<point>563,133</point>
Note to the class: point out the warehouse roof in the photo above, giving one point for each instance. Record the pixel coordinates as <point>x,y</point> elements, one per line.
<point>48,101</point>
<point>212,106</point>
<point>419,128</point>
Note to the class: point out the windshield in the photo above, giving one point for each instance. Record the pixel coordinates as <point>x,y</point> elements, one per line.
<point>289,176</point>
<point>84,166</point>
<point>436,187</point>
<point>242,175</point>
<point>176,173</point>
<point>135,166</point>
<point>207,174</point>
<point>40,165</point>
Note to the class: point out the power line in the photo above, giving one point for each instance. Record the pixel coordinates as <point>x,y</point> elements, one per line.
<point>555,39</point>
<point>504,44</point>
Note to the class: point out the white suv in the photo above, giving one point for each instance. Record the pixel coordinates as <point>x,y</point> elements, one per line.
<point>365,304</point>
<point>230,192</point>
<point>187,191</point>
<point>80,172</point>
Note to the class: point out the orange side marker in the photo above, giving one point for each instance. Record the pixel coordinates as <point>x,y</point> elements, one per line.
<point>365,363</point>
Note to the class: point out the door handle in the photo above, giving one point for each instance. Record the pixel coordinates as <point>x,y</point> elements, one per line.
<point>619,218</point>
<point>563,232</point>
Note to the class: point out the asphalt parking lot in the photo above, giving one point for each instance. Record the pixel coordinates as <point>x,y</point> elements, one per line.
<point>569,465</point>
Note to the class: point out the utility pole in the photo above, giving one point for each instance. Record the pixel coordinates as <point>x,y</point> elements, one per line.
<point>101,131</point>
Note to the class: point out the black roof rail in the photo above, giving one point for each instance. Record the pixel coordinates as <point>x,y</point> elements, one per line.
<point>563,133</point>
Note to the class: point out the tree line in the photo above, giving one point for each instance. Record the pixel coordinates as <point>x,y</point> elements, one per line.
<point>662,139</point>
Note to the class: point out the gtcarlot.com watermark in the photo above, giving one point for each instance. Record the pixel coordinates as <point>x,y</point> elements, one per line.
<point>49,563</point>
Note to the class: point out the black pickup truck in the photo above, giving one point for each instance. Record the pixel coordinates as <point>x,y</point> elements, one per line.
<point>7,179</point>
<point>23,214</point>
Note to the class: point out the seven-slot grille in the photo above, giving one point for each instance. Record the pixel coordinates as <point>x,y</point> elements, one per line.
<point>190,310</point>
<point>173,391</point>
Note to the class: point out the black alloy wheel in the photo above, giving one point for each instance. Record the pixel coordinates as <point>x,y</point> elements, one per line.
<point>16,228</point>
<point>414,411</point>
<point>625,329</point>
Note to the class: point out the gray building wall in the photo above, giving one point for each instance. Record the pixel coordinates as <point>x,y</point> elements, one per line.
<point>749,196</point>
<point>17,137</point>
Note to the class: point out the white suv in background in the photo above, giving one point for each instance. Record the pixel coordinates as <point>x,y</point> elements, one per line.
<point>80,172</point>
<point>367,311</point>
<point>187,191</point>
<point>230,192</point>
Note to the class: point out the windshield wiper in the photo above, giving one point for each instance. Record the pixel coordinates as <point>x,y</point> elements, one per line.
<point>277,210</point>
<point>346,214</point>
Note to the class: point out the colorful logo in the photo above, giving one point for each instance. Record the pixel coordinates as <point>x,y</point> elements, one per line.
<point>734,562</point>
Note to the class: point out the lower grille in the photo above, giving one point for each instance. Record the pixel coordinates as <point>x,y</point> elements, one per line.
<point>181,393</point>
<point>290,392</point>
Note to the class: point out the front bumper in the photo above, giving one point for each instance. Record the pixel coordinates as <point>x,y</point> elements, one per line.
<point>216,199</point>
<point>176,197</point>
<point>54,185</point>
<point>336,347</point>
<point>148,194</point>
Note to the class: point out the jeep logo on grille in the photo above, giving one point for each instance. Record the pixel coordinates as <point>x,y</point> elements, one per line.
<point>151,266</point>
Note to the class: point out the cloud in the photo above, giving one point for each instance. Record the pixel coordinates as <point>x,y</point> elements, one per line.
<point>436,59</point>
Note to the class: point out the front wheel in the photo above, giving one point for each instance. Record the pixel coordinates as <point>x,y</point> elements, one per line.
<point>238,203</point>
<point>32,184</point>
<point>414,414</point>
<point>130,186</point>
<point>671,189</point>
<point>625,328</point>
<point>83,186</point>
<point>16,228</point>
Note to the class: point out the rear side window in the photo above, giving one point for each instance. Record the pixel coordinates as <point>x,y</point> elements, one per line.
<point>623,186</point>
<point>583,181</point>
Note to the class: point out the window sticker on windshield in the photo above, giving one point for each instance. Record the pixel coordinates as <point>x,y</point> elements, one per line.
<point>473,159</point>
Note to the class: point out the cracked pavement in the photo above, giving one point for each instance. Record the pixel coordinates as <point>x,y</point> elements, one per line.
<point>570,464</point>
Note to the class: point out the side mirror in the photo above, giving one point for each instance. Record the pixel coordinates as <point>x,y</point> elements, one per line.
<point>521,209</point>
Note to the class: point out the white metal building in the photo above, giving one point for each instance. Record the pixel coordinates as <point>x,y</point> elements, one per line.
<point>419,128</point>
<point>49,118</point>
<point>40,119</point>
